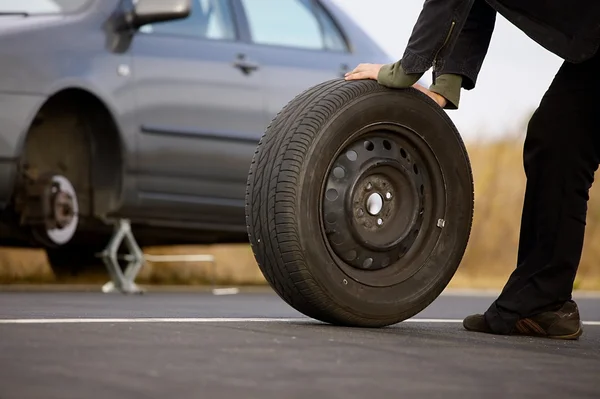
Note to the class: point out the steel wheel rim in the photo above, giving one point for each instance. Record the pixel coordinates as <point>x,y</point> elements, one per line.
<point>392,245</point>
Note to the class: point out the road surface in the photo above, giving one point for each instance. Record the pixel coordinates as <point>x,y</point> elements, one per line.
<point>252,345</point>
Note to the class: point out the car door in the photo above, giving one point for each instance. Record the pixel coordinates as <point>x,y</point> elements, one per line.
<point>299,45</point>
<point>201,112</point>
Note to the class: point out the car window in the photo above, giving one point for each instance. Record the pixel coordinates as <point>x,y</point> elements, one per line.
<point>209,19</point>
<point>291,23</point>
<point>42,6</point>
<point>334,40</point>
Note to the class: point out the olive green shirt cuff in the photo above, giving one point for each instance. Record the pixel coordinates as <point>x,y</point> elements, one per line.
<point>393,76</point>
<point>448,86</point>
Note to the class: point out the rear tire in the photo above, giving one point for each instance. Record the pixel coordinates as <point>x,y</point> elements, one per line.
<point>307,220</point>
<point>73,261</point>
<point>80,259</point>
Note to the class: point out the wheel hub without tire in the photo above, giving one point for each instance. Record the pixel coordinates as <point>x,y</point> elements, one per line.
<point>62,207</point>
<point>51,209</point>
<point>373,203</point>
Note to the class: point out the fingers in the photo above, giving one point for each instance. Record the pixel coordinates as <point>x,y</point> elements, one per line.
<point>361,68</point>
<point>358,69</point>
<point>440,100</point>
<point>359,75</point>
<point>370,71</point>
<point>362,71</point>
<point>421,89</point>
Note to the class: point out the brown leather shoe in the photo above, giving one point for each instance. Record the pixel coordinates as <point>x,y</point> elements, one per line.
<point>563,323</point>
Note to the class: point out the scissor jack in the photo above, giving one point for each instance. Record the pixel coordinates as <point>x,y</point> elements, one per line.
<point>123,281</point>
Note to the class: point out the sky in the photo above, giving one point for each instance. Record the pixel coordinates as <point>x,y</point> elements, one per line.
<point>515,74</point>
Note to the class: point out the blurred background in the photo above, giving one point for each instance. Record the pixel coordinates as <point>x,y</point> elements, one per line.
<point>492,120</point>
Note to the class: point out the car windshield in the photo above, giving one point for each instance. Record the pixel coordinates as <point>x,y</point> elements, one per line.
<point>32,7</point>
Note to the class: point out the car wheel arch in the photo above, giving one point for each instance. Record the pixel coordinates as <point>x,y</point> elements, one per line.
<point>104,137</point>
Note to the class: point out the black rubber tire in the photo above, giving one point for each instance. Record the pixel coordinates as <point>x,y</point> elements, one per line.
<point>286,180</point>
<point>78,259</point>
<point>71,261</point>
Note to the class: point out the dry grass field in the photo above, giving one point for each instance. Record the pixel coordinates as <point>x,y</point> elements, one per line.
<point>499,190</point>
<point>490,256</point>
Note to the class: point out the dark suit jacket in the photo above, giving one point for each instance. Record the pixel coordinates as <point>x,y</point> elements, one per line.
<point>453,36</point>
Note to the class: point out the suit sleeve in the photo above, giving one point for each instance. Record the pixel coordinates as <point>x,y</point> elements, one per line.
<point>452,36</point>
<point>471,47</point>
<point>434,35</point>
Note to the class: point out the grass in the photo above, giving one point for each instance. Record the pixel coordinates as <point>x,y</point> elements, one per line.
<point>488,261</point>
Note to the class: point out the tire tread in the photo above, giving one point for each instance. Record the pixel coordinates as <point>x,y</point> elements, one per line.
<point>272,188</point>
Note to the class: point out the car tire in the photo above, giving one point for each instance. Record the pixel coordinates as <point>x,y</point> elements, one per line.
<point>312,219</point>
<point>69,262</point>
<point>80,259</point>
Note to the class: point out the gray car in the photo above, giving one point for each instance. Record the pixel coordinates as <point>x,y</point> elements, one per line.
<point>150,111</point>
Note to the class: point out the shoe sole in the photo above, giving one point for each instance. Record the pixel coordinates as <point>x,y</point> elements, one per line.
<point>573,336</point>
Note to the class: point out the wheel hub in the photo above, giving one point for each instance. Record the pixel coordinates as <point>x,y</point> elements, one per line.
<point>62,207</point>
<point>51,209</point>
<point>373,203</point>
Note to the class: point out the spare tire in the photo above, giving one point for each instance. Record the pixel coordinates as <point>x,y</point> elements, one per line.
<point>359,203</point>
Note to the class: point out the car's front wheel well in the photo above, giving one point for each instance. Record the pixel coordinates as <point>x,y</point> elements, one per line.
<point>74,135</point>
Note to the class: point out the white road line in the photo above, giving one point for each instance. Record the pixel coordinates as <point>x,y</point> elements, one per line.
<point>587,323</point>
<point>205,320</point>
<point>482,293</point>
<point>149,320</point>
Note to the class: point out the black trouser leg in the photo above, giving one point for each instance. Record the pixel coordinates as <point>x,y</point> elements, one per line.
<point>561,155</point>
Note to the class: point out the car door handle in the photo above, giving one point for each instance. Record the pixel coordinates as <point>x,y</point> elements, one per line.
<point>245,65</point>
<point>344,68</point>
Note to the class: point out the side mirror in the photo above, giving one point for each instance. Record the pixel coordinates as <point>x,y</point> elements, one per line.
<point>151,11</point>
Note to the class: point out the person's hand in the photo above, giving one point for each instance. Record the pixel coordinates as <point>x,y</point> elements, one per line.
<point>440,100</point>
<point>364,71</point>
<point>370,71</point>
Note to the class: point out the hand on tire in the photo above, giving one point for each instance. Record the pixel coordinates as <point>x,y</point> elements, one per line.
<point>370,71</point>
<point>395,287</point>
<point>364,71</point>
<point>440,100</point>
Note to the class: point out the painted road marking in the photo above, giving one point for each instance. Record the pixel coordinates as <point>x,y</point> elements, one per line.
<point>480,293</point>
<point>206,320</point>
<point>150,320</point>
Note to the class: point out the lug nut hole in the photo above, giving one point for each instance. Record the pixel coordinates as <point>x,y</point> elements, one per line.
<point>331,194</point>
<point>339,172</point>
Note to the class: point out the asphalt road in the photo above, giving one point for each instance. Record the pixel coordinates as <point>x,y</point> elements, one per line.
<point>197,345</point>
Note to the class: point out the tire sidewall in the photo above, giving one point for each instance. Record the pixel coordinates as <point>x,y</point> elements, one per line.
<point>408,108</point>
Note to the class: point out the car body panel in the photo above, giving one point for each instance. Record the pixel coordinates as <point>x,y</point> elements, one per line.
<point>16,113</point>
<point>40,59</point>
<point>201,119</point>
<point>189,120</point>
